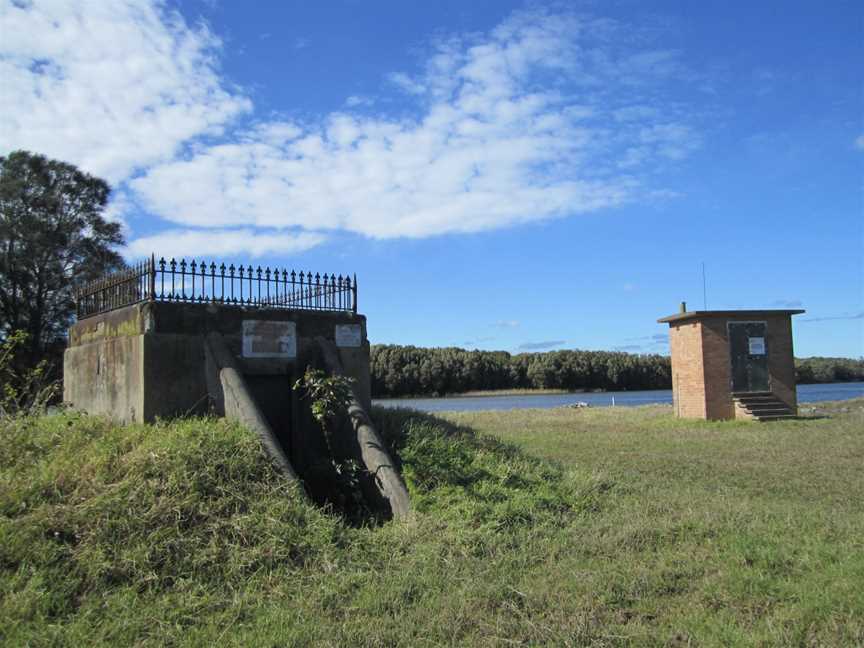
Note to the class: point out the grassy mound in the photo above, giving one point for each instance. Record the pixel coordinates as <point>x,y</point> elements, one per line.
<point>608,527</point>
<point>182,533</point>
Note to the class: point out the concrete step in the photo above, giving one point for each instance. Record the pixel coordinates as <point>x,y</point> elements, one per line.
<point>755,399</point>
<point>776,417</point>
<point>763,406</point>
<point>771,412</point>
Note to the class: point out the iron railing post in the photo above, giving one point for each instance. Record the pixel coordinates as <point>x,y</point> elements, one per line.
<point>152,277</point>
<point>354,295</point>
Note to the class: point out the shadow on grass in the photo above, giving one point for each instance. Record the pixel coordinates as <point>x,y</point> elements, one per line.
<point>396,426</point>
<point>451,469</point>
<point>448,468</point>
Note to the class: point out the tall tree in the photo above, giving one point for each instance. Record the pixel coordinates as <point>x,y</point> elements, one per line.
<point>53,238</point>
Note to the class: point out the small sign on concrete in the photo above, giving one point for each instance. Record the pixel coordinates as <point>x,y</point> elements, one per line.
<point>262,339</point>
<point>348,335</point>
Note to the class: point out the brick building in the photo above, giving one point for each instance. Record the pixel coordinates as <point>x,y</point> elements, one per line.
<point>732,364</point>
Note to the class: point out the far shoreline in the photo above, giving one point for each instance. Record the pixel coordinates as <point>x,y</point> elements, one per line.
<point>486,393</point>
<point>483,393</point>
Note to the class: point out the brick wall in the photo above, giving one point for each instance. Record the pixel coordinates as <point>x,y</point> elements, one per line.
<point>688,384</point>
<point>718,369</point>
<point>781,363</point>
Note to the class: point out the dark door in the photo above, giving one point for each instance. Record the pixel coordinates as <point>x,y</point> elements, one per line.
<point>273,393</point>
<point>749,350</point>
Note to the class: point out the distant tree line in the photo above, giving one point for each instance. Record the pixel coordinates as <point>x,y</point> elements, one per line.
<point>413,371</point>
<point>410,370</point>
<point>826,370</point>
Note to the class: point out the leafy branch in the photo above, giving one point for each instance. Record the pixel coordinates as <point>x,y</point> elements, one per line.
<point>330,397</point>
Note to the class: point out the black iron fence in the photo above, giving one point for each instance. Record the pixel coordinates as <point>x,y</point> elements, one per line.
<point>209,283</point>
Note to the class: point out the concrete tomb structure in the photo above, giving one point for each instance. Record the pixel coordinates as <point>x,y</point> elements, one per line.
<point>171,339</point>
<point>735,364</point>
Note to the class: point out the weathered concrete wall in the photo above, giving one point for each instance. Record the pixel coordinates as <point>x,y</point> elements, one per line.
<point>107,377</point>
<point>147,361</point>
<point>121,323</point>
<point>175,382</point>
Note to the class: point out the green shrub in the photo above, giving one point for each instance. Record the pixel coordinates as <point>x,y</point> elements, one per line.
<point>23,390</point>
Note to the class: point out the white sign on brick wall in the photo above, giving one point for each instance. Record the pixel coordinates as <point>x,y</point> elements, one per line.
<point>757,345</point>
<point>262,339</point>
<point>349,335</point>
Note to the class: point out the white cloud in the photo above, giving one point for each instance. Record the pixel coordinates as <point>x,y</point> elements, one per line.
<point>118,206</point>
<point>547,115</point>
<point>221,243</point>
<point>501,135</point>
<point>112,86</point>
<point>406,83</point>
<point>507,324</point>
<point>357,100</point>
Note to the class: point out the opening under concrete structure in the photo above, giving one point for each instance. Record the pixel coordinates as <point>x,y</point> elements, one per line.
<point>733,364</point>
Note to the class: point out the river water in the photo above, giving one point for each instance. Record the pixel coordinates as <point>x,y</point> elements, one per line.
<point>806,394</point>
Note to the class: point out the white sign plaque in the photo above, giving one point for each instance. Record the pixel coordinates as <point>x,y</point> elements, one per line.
<point>262,339</point>
<point>348,335</point>
<point>757,345</point>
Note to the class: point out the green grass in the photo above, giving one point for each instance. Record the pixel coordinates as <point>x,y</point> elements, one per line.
<point>535,527</point>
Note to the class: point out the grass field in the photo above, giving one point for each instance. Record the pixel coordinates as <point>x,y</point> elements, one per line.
<point>608,527</point>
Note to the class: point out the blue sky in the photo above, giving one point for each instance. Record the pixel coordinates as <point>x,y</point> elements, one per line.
<point>500,175</point>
